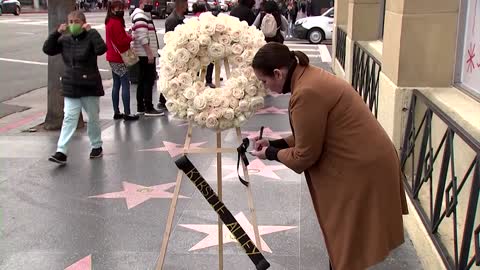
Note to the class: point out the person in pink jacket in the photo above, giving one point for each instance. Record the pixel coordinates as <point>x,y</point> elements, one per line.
<point>118,41</point>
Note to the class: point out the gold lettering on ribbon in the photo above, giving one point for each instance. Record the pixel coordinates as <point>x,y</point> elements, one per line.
<point>203,187</point>
<point>250,247</point>
<point>194,172</point>
<point>233,227</point>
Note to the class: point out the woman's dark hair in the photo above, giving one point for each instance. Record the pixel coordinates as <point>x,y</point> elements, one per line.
<point>274,55</point>
<point>111,6</point>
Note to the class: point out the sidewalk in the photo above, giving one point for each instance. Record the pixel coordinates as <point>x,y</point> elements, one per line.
<point>110,213</point>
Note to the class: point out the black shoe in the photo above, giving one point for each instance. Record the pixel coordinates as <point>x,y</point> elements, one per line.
<point>96,152</point>
<point>211,85</point>
<point>118,116</point>
<point>59,158</point>
<point>130,117</point>
<point>153,112</point>
<point>162,107</point>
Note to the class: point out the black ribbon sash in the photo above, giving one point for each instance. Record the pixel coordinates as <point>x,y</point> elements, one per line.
<point>184,164</point>
<point>242,150</point>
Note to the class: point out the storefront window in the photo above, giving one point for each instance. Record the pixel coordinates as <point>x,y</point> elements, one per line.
<point>468,56</point>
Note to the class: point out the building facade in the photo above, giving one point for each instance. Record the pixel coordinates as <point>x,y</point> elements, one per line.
<point>416,63</point>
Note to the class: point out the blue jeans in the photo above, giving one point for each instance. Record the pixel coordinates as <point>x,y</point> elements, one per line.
<point>124,82</point>
<point>72,108</point>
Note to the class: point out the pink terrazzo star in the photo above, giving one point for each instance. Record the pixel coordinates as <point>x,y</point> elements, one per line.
<point>212,230</point>
<point>83,264</point>
<point>267,133</point>
<point>256,167</point>
<point>272,110</point>
<point>172,148</point>
<point>136,194</point>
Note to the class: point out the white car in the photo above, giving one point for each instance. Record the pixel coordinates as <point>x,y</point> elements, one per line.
<point>315,29</point>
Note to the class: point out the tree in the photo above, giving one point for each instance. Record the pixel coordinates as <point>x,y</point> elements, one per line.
<point>57,14</point>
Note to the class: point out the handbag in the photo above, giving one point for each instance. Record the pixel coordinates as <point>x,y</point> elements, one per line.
<point>129,57</point>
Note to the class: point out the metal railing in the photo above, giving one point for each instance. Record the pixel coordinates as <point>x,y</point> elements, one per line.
<point>341,40</point>
<point>365,75</point>
<point>445,191</point>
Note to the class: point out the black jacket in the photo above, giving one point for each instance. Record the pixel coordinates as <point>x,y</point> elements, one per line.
<point>172,21</point>
<point>81,76</point>
<point>243,13</point>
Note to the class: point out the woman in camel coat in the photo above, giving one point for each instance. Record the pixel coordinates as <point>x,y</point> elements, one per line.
<point>351,166</point>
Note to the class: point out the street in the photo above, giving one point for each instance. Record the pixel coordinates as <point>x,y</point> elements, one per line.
<point>24,65</point>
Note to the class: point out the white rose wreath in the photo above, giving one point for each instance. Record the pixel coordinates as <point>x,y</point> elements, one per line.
<point>193,46</point>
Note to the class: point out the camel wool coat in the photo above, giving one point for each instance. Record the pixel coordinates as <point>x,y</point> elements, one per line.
<point>351,166</point>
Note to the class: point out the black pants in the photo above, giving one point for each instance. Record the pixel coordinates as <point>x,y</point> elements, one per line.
<point>146,79</point>
<point>209,75</point>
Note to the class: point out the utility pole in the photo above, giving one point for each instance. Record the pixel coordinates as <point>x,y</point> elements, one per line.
<point>57,14</point>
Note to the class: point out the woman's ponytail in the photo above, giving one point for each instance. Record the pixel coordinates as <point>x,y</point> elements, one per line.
<point>302,58</point>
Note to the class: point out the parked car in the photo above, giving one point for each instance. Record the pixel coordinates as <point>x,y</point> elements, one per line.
<point>10,7</point>
<point>315,29</point>
<point>159,8</point>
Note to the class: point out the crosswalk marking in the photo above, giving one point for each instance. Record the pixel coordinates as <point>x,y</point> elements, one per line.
<point>319,52</point>
<point>36,63</point>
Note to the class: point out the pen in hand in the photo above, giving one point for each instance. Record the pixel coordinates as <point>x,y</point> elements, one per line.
<point>260,137</point>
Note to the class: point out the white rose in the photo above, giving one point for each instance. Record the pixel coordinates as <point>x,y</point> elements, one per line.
<point>233,102</point>
<point>220,27</point>
<point>207,28</point>
<point>229,114</point>
<point>216,50</point>
<point>193,47</point>
<point>199,86</point>
<point>171,106</point>
<point>174,84</point>
<point>201,118</point>
<point>167,72</point>
<point>251,90</point>
<point>238,92</point>
<point>217,101</point>
<point>203,51</point>
<point>224,40</point>
<point>242,82</point>
<point>185,79</point>
<point>180,67</point>
<point>199,103</point>
<point>243,106</point>
<point>212,121</point>
<point>235,35</point>
<point>190,93</point>
<point>170,56</point>
<point>237,49</point>
<point>206,16</point>
<point>224,124</point>
<point>248,56</point>
<point>181,40</point>
<point>204,40</point>
<point>190,114</point>
<point>245,39</point>
<point>236,60</point>
<point>194,64</point>
<point>241,120</point>
<point>256,103</point>
<point>183,55</point>
<point>168,37</point>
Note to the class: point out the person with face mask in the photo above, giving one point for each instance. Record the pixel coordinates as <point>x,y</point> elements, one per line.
<point>118,41</point>
<point>351,166</point>
<point>146,46</point>
<point>82,86</point>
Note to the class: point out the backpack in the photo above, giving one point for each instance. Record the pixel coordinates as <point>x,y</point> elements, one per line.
<point>269,26</point>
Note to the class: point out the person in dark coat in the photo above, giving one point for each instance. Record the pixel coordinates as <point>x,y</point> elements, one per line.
<point>243,11</point>
<point>79,46</point>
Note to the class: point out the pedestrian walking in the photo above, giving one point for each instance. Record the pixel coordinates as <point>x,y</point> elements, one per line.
<point>350,164</point>
<point>118,41</point>
<point>79,46</point>
<point>145,45</point>
<point>243,11</point>
<point>273,25</point>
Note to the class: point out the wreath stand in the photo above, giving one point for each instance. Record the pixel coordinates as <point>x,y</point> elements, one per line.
<point>218,150</point>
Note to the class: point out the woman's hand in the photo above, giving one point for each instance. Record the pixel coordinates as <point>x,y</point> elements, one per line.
<point>260,143</point>
<point>260,153</point>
